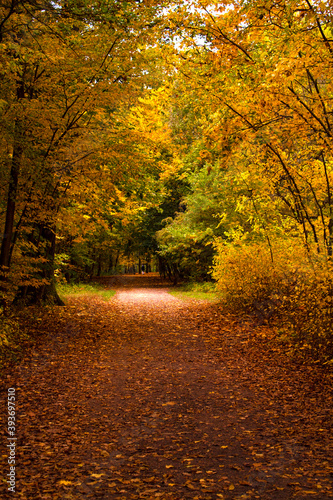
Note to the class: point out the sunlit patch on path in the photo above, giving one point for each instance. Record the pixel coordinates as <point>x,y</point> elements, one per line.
<point>150,296</point>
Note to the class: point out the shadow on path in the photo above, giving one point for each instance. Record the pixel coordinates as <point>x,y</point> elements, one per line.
<point>150,280</point>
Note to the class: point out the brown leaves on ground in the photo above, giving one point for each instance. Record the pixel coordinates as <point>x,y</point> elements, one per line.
<point>149,397</point>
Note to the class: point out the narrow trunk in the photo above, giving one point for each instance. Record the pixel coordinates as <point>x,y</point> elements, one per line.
<point>99,267</point>
<point>45,293</point>
<point>110,264</point>
<point>330,237</point>
<point>169,271</point>
<point>5,253</point>
<point>116,262</point>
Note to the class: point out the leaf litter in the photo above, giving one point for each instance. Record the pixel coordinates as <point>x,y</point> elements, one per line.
<point>149,397</point>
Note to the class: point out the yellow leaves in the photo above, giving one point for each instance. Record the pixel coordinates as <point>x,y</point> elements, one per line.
<point>146,118</point>
<point>170,169</point>
<point>119,194</point>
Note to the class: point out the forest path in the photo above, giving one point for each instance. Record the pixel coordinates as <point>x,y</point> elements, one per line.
<point>148,397</point>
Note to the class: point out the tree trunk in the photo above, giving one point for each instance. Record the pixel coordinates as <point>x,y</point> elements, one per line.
<point>5,253</point>
<point>99,267</point>
<point>169,271</point>
<point>46,293</point>
<point>116,262</point>
<point>110,266</point>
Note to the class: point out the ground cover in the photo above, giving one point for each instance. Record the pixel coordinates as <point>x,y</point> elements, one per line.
<point>198,291</point>
<point>146,396</point>
<point>67,290</point>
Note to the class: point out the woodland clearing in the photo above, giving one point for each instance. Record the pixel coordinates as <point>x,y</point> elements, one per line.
<point>147,396</point>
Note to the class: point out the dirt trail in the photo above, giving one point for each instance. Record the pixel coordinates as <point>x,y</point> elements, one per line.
<point>149,397</point>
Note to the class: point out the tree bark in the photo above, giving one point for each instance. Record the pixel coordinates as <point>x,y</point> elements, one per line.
<point>46,293</point>
<point>5,254</point>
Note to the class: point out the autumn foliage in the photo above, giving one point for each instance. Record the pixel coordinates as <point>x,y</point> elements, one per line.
<point>193,137</point>
<point>258,77</point>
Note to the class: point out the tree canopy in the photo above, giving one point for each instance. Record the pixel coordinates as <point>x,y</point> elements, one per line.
<point>196,135</point>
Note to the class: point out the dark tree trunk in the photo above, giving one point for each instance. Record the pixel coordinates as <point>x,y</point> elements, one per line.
<point>169,271</point>
<point>99,267</point>
<point>110,264</point>
<point>117,259</point>
<point>176,274</point>
<point>5,254</point>
<point>161,267</point>
<point>46,293</point>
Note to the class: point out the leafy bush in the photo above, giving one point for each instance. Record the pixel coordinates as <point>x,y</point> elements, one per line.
<point>308,314</point>
<point>286,285</point>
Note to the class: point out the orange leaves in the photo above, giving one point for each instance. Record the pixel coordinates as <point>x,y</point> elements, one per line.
<point>95,404</point>
<point>76,86</point>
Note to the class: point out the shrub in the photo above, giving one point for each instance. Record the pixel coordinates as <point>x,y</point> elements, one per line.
<point>289,285</point>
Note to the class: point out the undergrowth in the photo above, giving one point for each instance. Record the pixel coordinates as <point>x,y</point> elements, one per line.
<point>66,290</point>
<point>194,290</point>
<point>292,290</point>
